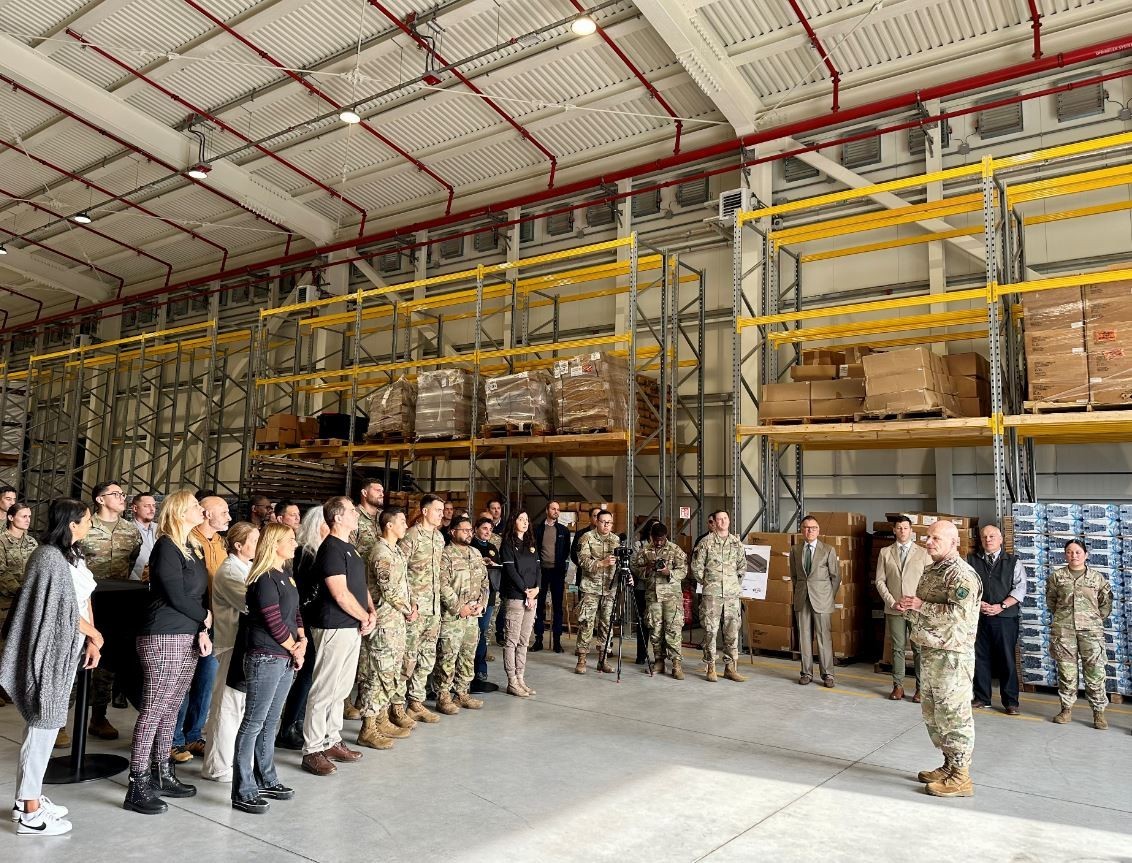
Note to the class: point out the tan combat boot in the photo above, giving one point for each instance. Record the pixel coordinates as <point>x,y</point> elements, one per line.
<point>469,702</point>
<point>445,705</point>
<point>390,729</point>
<point>1099,722</point>
<point>603,665</point>
<point>957,783</point>
<point>712,677</point>
<point>580,668</point>
<point>523,684</point>
<point>731,673</point>
<point>927,776</point>
<point>658,666</point>
<point>1064,717</point>
<point>371,737</point>
<point>516,689</point>
<point>400,717</point>
<point>349,711</point>
<point>677,670</point>
<point>421,713</point>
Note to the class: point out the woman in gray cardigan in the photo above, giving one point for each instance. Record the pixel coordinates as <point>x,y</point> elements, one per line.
<point>48,625</point>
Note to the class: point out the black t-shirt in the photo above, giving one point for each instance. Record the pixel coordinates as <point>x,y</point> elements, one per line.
<point>273,613</point>
<point>336,557</point>
<point>178,585</point>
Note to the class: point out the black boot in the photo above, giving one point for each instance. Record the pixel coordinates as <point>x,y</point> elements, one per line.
<point>142,797</point>
<point>166,783</point>
<point>537,645</point>
<point>291,737</point>
<point>558,644</point>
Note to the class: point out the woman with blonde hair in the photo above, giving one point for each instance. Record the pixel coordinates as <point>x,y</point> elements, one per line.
<point>172,637</point>
<point>229,589</point>
<point>274,645</point>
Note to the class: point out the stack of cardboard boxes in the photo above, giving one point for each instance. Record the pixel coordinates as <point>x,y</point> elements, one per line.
<point>827,384</point>
<point>284,430</point>
<point>916,379</point>
<point>1108,335</point>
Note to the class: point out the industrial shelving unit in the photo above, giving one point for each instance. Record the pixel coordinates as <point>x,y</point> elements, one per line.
<point>767,460</point>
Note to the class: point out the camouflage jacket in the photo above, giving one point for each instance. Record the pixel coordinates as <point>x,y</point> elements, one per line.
<point>719,565</point>
<point>14,555</point>
<point>1077,602</point>
<point>422,548</point>
<point>111,549</point>
<point>665,584</point>
<point>463,579</point>
<point>367,533</point>
<point>594,548</point>
<point>949,618</point>
<point>387,572</point>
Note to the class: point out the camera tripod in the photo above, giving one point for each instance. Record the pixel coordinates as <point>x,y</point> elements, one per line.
<point>619,614</point>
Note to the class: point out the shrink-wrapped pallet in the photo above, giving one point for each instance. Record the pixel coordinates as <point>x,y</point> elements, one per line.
<point>392,410</point>
<point>591,393</point>
<point>520,403</point>
<point>444,404</point>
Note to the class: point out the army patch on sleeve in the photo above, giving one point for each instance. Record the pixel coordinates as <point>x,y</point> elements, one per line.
<point>962,592</point>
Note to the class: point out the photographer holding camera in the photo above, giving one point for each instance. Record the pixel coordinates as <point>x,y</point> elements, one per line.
<point>663,565</point>
<point>598,563</point>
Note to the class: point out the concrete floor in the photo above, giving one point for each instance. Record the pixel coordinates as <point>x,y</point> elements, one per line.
<point>648,770</point>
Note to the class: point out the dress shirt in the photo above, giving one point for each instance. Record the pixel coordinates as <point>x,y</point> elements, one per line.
<point>148,538</point>
<point>1018,584</point>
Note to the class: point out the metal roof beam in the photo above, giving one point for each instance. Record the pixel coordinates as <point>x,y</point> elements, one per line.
<point>50,275</point>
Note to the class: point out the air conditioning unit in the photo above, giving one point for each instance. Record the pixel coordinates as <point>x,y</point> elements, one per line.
<point>307,293</point>
<point>734,201</point>
<point>82,340</point>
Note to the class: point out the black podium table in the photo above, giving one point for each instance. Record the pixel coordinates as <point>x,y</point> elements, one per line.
<point>119,609</point>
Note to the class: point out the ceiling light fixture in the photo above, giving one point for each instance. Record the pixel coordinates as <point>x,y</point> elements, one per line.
<point>351,117</point>
<point>583,25</point>
<point>199,171</point>
<point>82,218</point>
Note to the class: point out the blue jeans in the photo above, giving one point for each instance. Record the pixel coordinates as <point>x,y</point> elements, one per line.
<point>481,648</point>
<point>268,679</point>
<point>194,709</point>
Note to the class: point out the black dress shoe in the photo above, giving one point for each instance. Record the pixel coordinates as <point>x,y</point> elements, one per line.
<point>558,646</point>
<point>278,791</point>
<point>976,704</point>
<point>254,805</point>
<point>536,646</point>
<point>478,685</point>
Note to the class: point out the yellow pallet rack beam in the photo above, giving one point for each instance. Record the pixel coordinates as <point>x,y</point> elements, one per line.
<point>890,434</point>
<point>967,295</point>
<point>961,317</point>
<point>1080,212</point>
<point>878,219</point>
<point>142,337</point>
<point>884,245</point>
<point>1076,280</point>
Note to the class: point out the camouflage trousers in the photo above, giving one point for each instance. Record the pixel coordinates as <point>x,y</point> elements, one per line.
<point>420,655</point>
<point>380,662</point>
<point>711,608</point>
<point>665,620</point>
<point>1089,648</point>
<point>594,613</point>
<point>946,685</point>
<point>456,654</point>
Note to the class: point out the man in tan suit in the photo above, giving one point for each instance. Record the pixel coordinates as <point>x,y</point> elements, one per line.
<point>899,567</point>
<point>816,575</point>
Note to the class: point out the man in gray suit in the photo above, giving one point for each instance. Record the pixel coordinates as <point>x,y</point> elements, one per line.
<point>899,567</point>
<point>816,575</point>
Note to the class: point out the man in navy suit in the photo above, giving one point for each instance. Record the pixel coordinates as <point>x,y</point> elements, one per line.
<point>553,543</point>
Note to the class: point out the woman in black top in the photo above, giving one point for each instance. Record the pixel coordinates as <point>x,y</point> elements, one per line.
<point>174,635</point>
<point>519,589</point>
<point>275,644</point>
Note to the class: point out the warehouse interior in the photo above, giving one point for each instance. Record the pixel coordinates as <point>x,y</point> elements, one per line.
<point>248,245</point>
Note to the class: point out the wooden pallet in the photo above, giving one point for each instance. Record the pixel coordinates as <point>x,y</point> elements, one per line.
<point>505,430</point>
<point>882,416</point>
<point>789,421</point>
<point>323,441</point>
<point>1070,407</point>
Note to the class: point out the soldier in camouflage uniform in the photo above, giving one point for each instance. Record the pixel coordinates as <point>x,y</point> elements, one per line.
<point>111,547</point>
<point>464,591</point>
<point>1079,599</point>
<point>718,563</point>
<point>598,565</point>
<point>381,688</point>
<point>662,565</point>
<point>422,546</point>
<point>944,615</point>
<point>369,511</point>
<point>16,545</point>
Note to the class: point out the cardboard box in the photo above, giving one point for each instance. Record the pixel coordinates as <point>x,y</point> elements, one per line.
<point>799,391</point>
<point>308,428</point>
<point>855,371</point>
<point>822,357</point>
<point>913,400</point>
<point>283,421</point>
<point>968,364</point>
<point>903,361</point>
<point>779,566</point>
<point>763,637</point>
<point>813,373</point>
<point>847,389</point>
<point>854,356</point>
<point>778,542</point>
<point>770,613</point>
<point>912,379</point>
<point>969,387</point>
<point>840,524</point>
<point>973,407</point>
<point>1042,309</point>
<point>784,410</point>
<point>780,590</point>
<point>836,407</point>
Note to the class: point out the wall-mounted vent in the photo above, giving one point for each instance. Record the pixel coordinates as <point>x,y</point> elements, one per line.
<point>527,231</point>
<point>486,241</point>
<point>795,170</point>
<point>560,223</point>
<point>451,247</point>
<point>860,154</point>
<point>1085,101</point>
<point>693,193</point>
<point>646,203</point>
<point>601,214</point>
<point>1000,120</point>
<point>389,262</point>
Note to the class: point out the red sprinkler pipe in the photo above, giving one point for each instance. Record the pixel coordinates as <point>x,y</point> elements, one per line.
<point>121,142</point>
<point>168,266</point>
<point>640,76</point>
<point>463,79</point>
<point>104,191</point>
<point>834,75</point>
<point>909,100</point>
<point>1036,26</point>
<point>420,166</point>
<point>14,292</point>
<point>227,128</point>
<point>85,264</point>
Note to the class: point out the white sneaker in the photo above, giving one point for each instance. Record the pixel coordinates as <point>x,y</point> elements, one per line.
<point>44,803</point>
<point>42,822</point>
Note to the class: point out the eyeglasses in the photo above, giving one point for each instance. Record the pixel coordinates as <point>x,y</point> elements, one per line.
<point>113,494</point>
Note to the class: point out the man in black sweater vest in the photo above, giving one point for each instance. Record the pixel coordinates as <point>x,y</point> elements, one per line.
<point>1004,588</point>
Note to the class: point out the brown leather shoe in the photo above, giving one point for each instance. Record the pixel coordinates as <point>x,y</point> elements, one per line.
<point>101,728</point>
<point>339,752</point>
<point>804,679</point>
<point>469,702</point>
<point>897,693</point>
<point>1013,710</point>
<point>917,698</point>
<point>197,748</point>
<point>318,764</point>
<point>978,705</point>
<point>180,754</point>
<point>827,681</point>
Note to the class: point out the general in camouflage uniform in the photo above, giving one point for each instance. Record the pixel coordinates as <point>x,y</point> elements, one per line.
<point>463,584</point>
<point>422,547</point>
<point>381,687</point>
<point>1078,603</point>
<point>596,607</point>
<point>111,547</point>
<point>945,619</point>
<point>718,563</point>
<point>664,598</point>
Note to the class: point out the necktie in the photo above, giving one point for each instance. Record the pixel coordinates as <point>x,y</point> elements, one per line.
<point>808,558</point>
<point>903,556</point>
